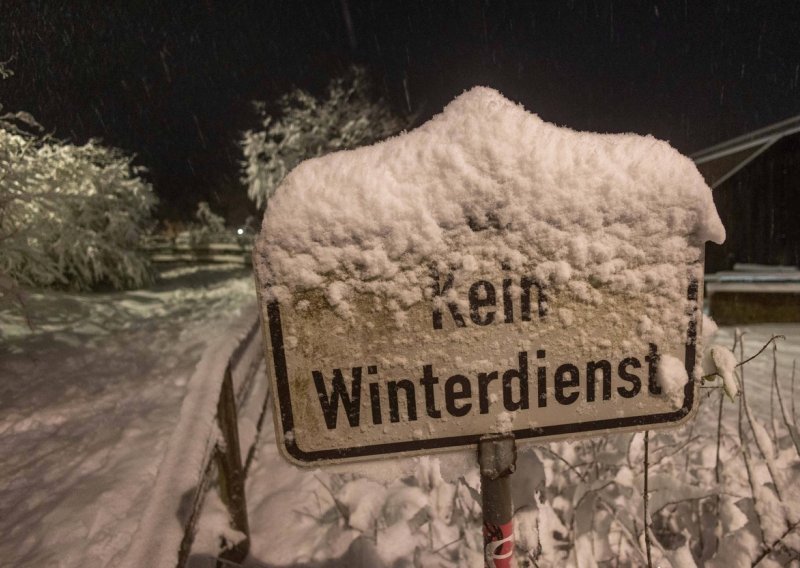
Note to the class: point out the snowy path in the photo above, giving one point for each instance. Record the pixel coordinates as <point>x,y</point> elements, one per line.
<point>87,404</point>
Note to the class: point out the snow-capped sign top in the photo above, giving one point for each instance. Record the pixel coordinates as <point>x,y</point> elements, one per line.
<point>487,271</point>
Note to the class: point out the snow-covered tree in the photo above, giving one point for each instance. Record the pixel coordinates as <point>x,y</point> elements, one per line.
<point>349,115</point>
<point>70,216</point>
<point>208,228</point>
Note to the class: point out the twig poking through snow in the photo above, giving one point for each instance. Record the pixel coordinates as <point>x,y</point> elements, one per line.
<point>582,476</point>
<point>768,549</point>
<point>746,454</point>
<point>724,364</point>
<point>717,463</point>
<point>772,395</point>
<point>794,415</point>
<point>791,426</point>
<point>760,351</point>
<point>762,440</point>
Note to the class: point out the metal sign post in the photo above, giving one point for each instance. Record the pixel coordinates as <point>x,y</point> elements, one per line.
<point>497,457</point>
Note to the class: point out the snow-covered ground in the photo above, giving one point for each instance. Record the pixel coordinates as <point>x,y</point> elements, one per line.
<point>91,397</point>
<point>88,401</point>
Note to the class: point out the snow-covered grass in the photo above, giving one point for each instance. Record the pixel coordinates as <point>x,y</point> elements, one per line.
<point>88,401</point>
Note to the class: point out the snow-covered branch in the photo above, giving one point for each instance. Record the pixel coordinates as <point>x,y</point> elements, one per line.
<point>349,115</point>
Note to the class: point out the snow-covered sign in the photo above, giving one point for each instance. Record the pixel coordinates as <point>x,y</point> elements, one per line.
<point>486,272</point>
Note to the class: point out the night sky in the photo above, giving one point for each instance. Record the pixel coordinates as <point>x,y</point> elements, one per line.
<point>172,81</point>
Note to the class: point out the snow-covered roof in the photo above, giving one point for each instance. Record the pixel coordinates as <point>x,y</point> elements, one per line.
<point>720,162</point>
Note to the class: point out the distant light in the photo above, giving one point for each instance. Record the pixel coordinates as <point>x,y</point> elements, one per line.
<point>240,231</point>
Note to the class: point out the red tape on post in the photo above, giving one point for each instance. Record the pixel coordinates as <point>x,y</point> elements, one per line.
<point>498,545</point>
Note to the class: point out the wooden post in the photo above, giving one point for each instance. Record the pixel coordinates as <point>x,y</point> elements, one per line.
<point>229,467</point>
<point>497,457</point>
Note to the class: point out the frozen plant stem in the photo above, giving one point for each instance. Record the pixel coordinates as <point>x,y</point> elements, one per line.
<point>339,507</point>
<point>689,439</point>
<point>791,426</point>
<point>717,462</point>
<point>772,396</point>
<point>794,415</point>
<point>557,456</point>
<point>766,453</point>
<point>631,534</point>
<point>745,453</point>
<point>745,361</point>
<point>719,437</point>
<point>647,500</point>
<point>769,549</point>
<point>760,351</point>
<point>700,533</point>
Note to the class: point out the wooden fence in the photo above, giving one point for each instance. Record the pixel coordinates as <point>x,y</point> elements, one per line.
<point>164,251</point>
<point>212,445</point>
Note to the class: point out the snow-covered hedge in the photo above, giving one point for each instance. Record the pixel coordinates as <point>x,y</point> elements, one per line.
<point>348,116</point>
<point>70,216</point>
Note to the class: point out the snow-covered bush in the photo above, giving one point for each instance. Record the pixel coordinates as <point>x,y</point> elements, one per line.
<point>720,492</point>
<point>346,117</point>
<point>70,216</point>
<point>209,227</point>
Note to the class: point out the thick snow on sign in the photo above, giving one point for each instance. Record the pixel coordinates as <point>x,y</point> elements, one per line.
<point>547,268</point>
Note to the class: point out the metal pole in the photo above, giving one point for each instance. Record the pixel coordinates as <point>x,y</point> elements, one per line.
<point>497,457</point>
<point>231,475</point>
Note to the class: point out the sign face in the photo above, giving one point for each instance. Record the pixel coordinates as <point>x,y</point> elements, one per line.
<point>497,352</point>
<point>484,273</point>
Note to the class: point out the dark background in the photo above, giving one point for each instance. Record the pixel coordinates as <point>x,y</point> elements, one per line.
<point>172,81</point>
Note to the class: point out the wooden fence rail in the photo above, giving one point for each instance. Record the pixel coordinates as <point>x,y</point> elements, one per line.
<point>219,424</point>
<point>167,252</point>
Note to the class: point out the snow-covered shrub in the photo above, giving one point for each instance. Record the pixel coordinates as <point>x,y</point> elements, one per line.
<point>720,489</point>
<point>721,492</point>
<point>348,116</point>
<point>70,216</point>
<point>209,227</point>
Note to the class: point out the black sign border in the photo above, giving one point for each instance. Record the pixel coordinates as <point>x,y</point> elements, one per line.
<point>361,452</point>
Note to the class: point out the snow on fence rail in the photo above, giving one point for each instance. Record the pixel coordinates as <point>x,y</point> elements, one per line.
<point>228,381</point>
<point>168,251</point>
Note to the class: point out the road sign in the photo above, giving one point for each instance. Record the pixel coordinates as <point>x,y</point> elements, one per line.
<point>495,356</point>
<point>546,303</point>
